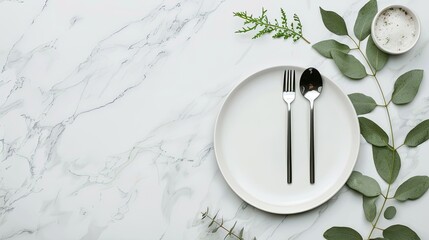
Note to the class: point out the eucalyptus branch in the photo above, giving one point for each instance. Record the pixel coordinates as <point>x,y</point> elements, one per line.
<point>281,28</point>
<point>374,226</point>
<point>220,225</point>
<point>386,158</point>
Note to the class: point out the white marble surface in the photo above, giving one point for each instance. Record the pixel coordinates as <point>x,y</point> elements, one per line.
<point>108,108</point>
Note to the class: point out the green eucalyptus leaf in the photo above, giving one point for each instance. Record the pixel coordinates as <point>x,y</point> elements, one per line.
<point>362,103</point>
<point>412,189</point>
<point>407,86</point>
<point>418,134</point>
<point>387,162</point>
<point>363,22</point>
<point>211,223</point>
<point>400,232</point>
<point>376,57</point>
<point>370,207</point>
<point>325,47</point>
<point>390,212</point>
<point>233,226</point>
<point>349,65</point>
<point>334,22</point>
<point>365,185</point>
<point>240,235</point>
<point>379,238</point>
<point>372,133</point>
<point>342,233</point>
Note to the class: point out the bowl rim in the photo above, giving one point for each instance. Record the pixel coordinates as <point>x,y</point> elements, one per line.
<point>418,30</point>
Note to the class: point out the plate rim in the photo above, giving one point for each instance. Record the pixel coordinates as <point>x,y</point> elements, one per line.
<point>282,209</point>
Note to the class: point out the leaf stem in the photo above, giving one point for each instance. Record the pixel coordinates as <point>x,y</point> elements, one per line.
<point>389,102</point>
<point>386,106</point>
<point>393,146</point>
<point>381,229</point>
<point>400,146</point>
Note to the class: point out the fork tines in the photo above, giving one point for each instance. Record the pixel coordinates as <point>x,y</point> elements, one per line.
<point>289,81</point>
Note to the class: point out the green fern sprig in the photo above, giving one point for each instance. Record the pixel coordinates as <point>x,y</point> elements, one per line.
<point>220,225</point>
<point>263,25</point>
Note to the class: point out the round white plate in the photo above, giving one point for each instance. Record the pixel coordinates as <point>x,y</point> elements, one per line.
<point>250,143</point>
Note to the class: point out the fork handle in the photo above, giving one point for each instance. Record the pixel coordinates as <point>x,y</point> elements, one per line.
<point>289,146</point>
<point>311,144</point>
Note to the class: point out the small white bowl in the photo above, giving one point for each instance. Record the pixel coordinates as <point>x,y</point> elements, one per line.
<point>395,39</point>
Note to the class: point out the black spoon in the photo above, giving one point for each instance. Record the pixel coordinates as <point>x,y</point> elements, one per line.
<point>311,85</point>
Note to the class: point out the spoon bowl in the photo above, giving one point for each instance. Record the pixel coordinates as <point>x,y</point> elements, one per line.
<point>311,84</point>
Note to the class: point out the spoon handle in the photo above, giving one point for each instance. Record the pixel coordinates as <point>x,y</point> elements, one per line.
<point>311,144</point>
<point>289,146</point>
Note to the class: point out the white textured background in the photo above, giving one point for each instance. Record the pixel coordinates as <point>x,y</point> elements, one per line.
<point>107,111</point>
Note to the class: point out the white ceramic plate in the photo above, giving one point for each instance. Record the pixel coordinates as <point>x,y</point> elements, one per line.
<point>250,143</point>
